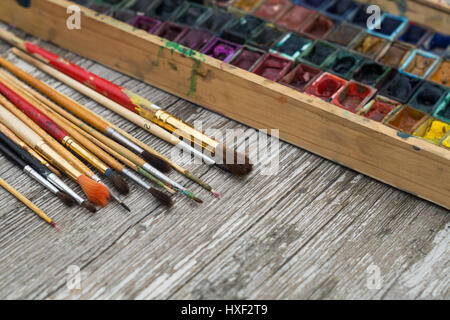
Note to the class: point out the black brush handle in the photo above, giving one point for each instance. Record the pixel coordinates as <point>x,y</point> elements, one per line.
<point>27,158</point>
<point>7,152</point>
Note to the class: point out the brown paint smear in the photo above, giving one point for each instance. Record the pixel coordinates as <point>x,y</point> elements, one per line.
<point>442,74</point>
<point>394,56</point>
<point>370,45</point>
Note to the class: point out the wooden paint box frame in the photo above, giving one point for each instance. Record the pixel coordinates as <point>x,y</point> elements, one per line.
<point>374,149</point>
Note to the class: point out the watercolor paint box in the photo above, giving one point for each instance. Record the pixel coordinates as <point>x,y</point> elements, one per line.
<point>432,130</point>
<point>407,162</point>
<point>390,26</point>
<point>419,63</point>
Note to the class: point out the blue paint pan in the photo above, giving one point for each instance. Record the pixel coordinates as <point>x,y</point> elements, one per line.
<point>390,27</point>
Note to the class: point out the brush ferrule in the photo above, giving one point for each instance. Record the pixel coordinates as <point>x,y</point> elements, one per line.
<point>162,177</point>
<point>130,174</point>
<point>199,154</point>
<point>113,134</point>
<point>36,176</point>
<point>85,154</point>
<point>53,178</point>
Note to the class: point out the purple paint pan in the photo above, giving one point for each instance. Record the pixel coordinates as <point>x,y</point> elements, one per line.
<point>171,31</point>
<point>146,23</point>
<point>246,58</point>
<point>221,49</point>
<point>195,39</point>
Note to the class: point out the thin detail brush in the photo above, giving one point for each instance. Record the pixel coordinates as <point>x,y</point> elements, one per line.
<point>28,203</point>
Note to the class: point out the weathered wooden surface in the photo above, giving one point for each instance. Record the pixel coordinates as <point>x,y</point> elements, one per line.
<point>311,231</point>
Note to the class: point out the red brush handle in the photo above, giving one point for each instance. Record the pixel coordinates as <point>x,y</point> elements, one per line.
<point>99,84</point>
<point>34,114</point>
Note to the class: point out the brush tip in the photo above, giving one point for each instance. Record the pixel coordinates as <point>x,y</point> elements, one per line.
<point>233,161</point>
<point>55,226</point>
<point>96,192</point>
<point>65,198</point>
<point>162,197</point>
<point>125,206</point>
<point>120,184</point>
<point>156,161</point>
<point>89,206</point>
<point>216,194</point>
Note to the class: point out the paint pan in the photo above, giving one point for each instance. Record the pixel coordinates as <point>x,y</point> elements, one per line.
<point>353,96</point>
<point>272,67</point>
<point>371,73</point>
<point>247,58</point>
<point>399,87</point>
<point>191,13</point>
<point>414,35</point>
<point>221,49</point>
<point>294,18</point>
<point>419,63</point>
<point>313,4</point>
<point>243,29</point>
<point>291,46</point>
<point>407,119</point>
<point>272,9</point>
<point>124,15</point>
<point>195,39</point>
<point>146,23</point>
<point>243,6</point>
<point>140,6</point>
<point>325,86</point>
<point>318,28</point>
<point>266,38</point>
<point>394,55</point>
<point>344,34</point>
<point>368,45</point>
<point>343,63</point>
<point>379,109</point>
<point>427,97</point>
<point>216,22</point>
<point>300,77</point>
<point>442,112</point>
<point>390,27</point>
<point>432,130</point>
<point>439,44</point>
<point>341,9</point>
<point>318,53</point>
<point>164,9</point>
<point>171,31</point>
<point>360,16</point>
<point>441,73</point>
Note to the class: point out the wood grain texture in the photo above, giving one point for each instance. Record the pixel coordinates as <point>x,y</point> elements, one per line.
<point>311,231</point>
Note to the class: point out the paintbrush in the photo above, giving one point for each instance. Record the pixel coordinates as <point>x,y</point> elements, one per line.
<point>34,112</point>
<point>239,164</point>
<point>57,133</point>
<point>66,125</point>
<point>25,147</point>
<point>28,203</point>
<point>8,153</point>
<point>95,191</point>
<point>43,171</point>
<point>94,119</point>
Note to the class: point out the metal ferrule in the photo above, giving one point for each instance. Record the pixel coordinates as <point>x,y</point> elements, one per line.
<point>36,176</point>
<point>85,154</point>
<point>175,125</point>
<point>124,141</point>
<point>184,146</point>
<point>162,177</point>
<point>53,178</point>
<point>130,174</point>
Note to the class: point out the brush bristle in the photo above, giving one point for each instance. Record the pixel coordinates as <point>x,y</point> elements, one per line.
<point>236,166</point>
<point>89,206</point>
<point>156,161</point>
<point>120,184</point>
<point>162,197</point>
<point>95,191</point>
<point>66,199</point>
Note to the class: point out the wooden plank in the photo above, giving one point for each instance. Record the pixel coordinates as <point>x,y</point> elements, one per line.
<point>314,215</point>
<point>371,148</point>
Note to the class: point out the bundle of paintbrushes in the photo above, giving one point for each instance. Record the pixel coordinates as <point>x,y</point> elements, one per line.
<point>48,135</point>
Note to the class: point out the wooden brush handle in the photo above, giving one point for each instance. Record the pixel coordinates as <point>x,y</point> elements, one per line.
<point>59,98</point>
<point>12,39</point>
